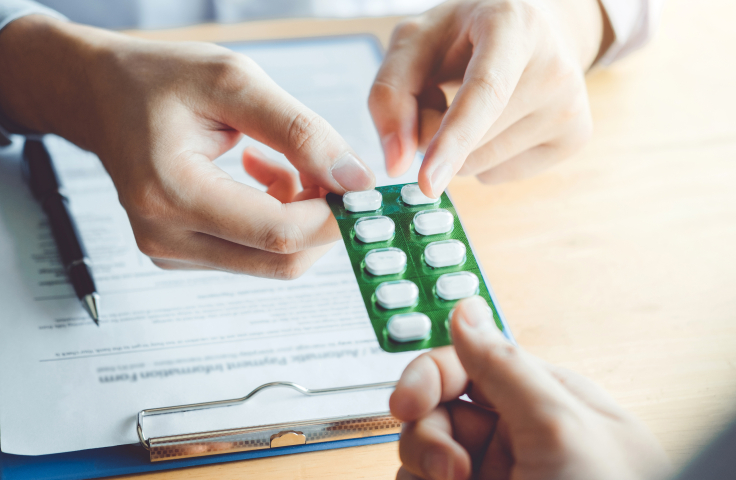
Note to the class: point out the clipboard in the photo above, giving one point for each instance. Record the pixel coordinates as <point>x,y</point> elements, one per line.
<point>205,448</point>
<point>261,437</point>
<point>219,446</point>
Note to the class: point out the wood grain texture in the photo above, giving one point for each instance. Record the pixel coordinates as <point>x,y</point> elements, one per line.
<point>619,263</point>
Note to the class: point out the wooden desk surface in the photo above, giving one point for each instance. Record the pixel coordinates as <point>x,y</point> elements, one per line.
<point>621,262</point>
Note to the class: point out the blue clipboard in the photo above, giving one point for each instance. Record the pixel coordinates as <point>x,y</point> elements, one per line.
<point>135,459</point>
<point>132,459</point>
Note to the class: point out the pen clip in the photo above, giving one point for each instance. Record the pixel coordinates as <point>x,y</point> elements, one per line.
<point>24,167</point>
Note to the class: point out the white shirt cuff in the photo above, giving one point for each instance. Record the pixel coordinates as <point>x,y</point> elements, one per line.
<point>633,23</point>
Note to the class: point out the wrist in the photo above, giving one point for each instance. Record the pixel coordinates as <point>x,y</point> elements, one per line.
<point>586,28</point>
<point>48,85</point>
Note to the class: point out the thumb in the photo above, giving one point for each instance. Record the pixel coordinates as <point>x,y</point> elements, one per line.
<point>522,392</point>
<point>267,113</point>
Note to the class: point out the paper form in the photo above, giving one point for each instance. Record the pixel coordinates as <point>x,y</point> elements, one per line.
<point>167,337</point>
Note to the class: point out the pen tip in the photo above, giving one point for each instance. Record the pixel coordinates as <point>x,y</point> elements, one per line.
<point>91,303</point>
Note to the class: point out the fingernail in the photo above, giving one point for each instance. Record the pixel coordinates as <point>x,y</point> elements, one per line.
<point>392,152</point>
<point>437,465</point>
<point>352,174</point>
<point>475,312</point>
<point>391,147</point>
<point>254,151</point>
<point>410,378</point>
<point>440,179</point>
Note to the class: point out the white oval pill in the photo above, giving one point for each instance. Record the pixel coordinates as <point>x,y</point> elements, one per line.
<point>408,327</point>
<point>374,229</point>
<point>454,286</point>
<point>433,222</point>
<point>385,261</point>
<point>399,294</point>
<point>445,253</point>
<point>412,195</point>
<point>364,201</point>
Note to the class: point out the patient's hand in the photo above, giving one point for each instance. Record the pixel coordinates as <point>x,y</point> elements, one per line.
<point>157,114</point>
<point>528,420</point>
<point>522,103</point>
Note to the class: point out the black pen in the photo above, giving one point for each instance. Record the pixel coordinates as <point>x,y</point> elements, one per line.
<point>45,187</point>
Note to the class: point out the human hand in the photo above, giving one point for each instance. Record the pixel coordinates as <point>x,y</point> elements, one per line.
<point>528,420</point>
<point>157,114</point>
<point>522,103</point>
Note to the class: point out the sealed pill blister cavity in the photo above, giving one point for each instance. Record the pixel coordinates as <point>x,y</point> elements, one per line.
<point>374,229</point>
<point>433,222</point>
<point>385,261</point>
<point>409,327</point>
<point>366,201</point>
<point>412,195</point>
<point>413,262</point>
<point>398,294</point>
<point>456,286</point>
<point>446,253</point>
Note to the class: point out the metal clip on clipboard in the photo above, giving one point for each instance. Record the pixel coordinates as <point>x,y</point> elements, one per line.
<point>260,437</point>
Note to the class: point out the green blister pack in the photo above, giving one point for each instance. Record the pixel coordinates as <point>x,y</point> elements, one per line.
<point>432,253</point>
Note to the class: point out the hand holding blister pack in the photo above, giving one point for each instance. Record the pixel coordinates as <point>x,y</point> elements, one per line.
<point>413,263</point>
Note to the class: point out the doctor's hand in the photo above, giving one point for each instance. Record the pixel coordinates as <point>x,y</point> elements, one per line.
<point>157,114</point>
<point>527,420</point>
<point>522,103</point>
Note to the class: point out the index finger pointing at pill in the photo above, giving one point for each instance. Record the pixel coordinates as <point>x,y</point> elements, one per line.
<point>396,93</point>
<point>500,56</point>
